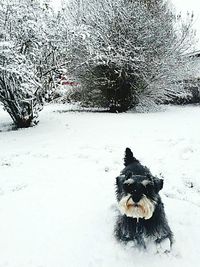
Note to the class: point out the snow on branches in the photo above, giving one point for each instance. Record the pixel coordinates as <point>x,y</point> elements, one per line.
<point>27,58</point>
<point>126,53</point>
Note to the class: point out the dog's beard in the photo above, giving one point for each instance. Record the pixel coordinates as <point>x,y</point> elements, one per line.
<point>142,209</point>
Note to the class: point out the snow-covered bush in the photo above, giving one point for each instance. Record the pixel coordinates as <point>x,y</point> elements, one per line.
<point>28,58</point>
<point>126,52</point>
<point>18,87</point>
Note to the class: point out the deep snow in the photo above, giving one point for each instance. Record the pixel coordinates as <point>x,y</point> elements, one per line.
<point>57,200</point>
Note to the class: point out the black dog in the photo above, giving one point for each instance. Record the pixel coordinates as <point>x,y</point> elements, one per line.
<point>142,216</point>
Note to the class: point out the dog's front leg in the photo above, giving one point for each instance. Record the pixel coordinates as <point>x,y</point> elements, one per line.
<point>140,242</point>
<point>163,245</point>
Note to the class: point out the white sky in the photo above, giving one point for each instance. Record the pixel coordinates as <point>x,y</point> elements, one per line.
<point>191,6</point>
<point>187,4</point>
<point>180,5</point>
<point>56,3</point>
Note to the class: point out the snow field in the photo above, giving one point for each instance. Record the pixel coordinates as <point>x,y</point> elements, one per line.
<point>57,205</point>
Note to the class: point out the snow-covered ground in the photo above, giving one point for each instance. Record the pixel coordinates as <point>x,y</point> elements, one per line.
<point>57,200</point>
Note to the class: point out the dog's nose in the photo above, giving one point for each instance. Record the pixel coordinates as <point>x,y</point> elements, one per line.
<point>135,198</point>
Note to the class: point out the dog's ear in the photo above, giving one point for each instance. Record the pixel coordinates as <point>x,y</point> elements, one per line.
<point>117,180</point>
<point>120,179</point>
<point>158,184</point>
<point>119,183</point>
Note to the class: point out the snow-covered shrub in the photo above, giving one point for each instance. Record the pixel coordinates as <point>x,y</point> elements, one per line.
<point>28,58</point>
<point>127,52</point>
<point>18,87</point>
<point>190,95</point>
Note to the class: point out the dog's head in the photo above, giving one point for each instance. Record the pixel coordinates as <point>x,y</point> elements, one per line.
<point>137,195</point>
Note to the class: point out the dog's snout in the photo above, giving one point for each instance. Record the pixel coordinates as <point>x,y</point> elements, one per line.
<point>136,198</point>
<point>136,190</point>
<point>136,193</point>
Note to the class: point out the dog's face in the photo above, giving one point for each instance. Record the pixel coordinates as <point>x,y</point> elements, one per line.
<point>137,195</point>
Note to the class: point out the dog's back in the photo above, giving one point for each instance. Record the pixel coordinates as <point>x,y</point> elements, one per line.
<point>133,165</point>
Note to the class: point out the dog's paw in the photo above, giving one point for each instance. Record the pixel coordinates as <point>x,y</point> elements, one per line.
<point>163,246</point>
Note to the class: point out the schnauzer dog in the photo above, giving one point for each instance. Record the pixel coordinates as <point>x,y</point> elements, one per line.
<point>142,217</point>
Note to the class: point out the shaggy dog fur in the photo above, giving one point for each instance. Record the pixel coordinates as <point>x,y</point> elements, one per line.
<point>141,212</point>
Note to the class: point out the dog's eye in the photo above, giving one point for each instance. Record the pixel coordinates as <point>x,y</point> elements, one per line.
<point>149,188</point>
<point>127,188</point>
<point>130,188</point>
